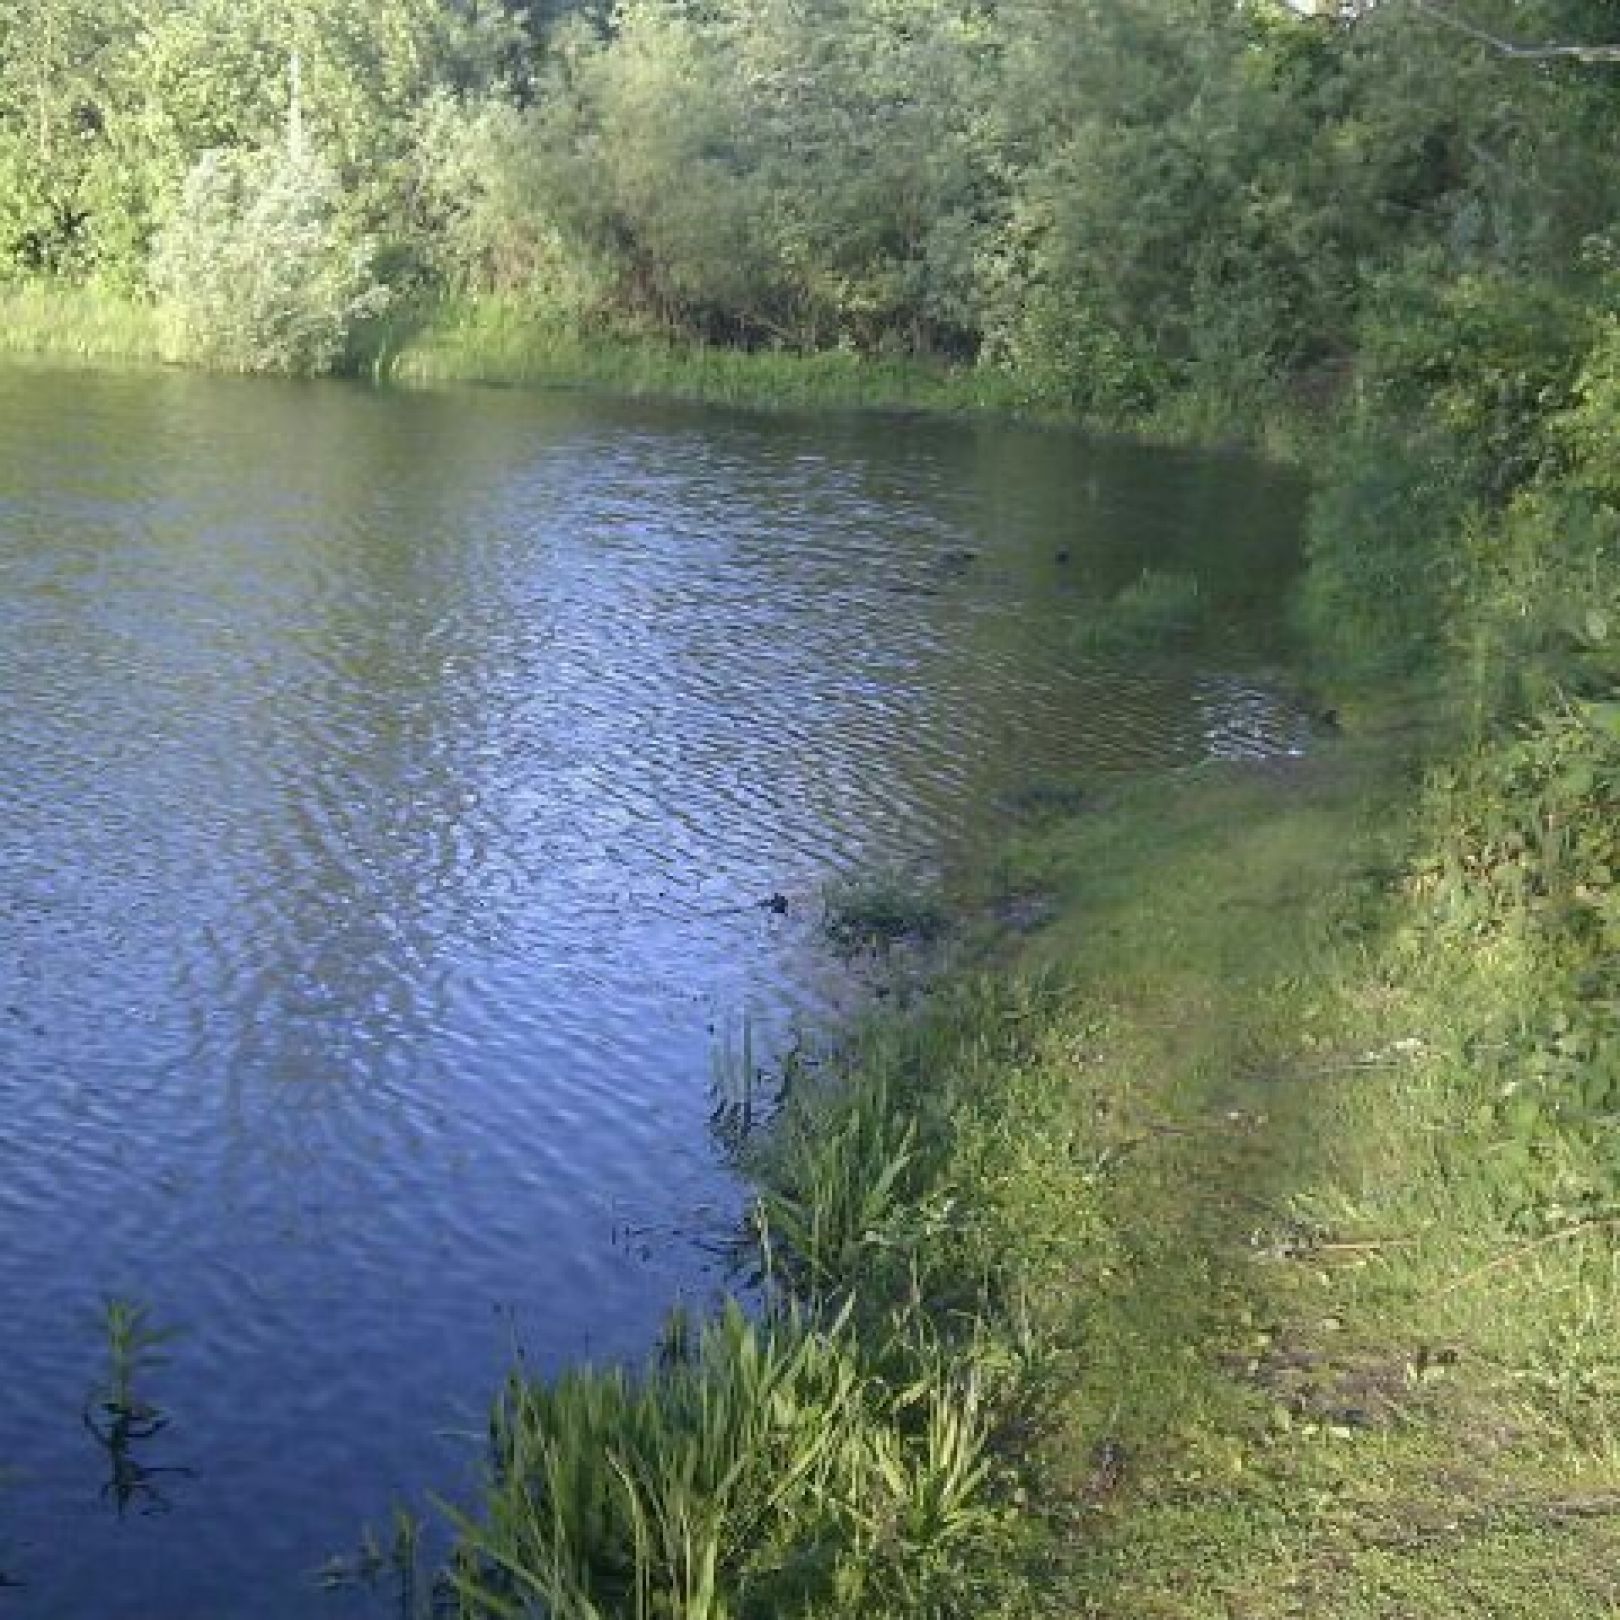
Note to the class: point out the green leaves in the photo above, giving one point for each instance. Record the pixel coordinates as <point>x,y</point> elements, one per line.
<point>767,1468</point>
<point>1604,717</point>
<point>105,110</point>
<point>256,270</point>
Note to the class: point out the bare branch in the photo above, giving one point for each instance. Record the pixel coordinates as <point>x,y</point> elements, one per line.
<point>1508,47</point>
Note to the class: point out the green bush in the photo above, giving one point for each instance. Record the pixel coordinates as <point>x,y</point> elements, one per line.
<point>1067,357</point>
<point>1489,358</point>
<point>1519,895</point>
<point>1384,525</point>
<point>1538,615</point>
<point>255,272</point>
<point>1460,387</point>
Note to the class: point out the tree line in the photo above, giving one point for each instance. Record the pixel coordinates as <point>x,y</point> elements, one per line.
<point>1114,199</point>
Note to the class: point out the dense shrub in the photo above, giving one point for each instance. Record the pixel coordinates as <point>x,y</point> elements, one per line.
<point>1459,387</point>
<point>255,270</point>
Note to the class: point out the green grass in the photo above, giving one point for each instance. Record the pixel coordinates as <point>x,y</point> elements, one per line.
<point>756,1465</point>
<point>879,910</point>
<point>73,324</point>
<point>494,340</point>
<point>833,1456</point>
<point>499,342</point>
<point>502,341</point>
<point>1342,1380</point>
<point>1155,611</point>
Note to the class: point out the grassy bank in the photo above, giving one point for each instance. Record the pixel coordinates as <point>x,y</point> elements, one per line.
<point>1341,1371</point>
<point>501,343</point>
<point>1174,1261</point>
<point>498,342</point>
<point>494,340</point>
<point>57,322</point>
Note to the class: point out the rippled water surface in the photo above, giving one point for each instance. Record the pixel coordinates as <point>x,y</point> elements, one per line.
<point>388,786</point>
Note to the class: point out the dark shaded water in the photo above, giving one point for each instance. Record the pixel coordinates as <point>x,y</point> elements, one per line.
<point>387,786</point>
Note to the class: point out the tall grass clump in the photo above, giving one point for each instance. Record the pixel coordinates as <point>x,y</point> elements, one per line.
<point>1155,611</point>
<point>835,1449</point>
<point>764,1467</point>
<point>57,321</point>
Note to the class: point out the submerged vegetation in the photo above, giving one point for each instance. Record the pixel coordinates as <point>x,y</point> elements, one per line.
<point>1155,610</point>
<point>119,1417</point>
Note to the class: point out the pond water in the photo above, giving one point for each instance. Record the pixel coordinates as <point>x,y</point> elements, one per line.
<point>389,784</point>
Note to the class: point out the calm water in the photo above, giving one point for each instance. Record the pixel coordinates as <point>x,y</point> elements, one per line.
<point>388,784</point>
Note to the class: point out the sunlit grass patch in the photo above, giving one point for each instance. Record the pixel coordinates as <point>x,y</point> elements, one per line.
<point>61,322</point>
<point>761,1467</point>
<point>505,341</point>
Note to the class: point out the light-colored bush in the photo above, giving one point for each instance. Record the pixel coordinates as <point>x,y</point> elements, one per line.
<point>255,271</point>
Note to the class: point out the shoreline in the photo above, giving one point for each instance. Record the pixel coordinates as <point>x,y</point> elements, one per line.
<point>1141,1206</point>
<point>491,342</point>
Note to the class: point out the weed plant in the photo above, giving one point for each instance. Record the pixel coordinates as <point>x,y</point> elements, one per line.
<point>881,909</point>
<point>1154,612</point>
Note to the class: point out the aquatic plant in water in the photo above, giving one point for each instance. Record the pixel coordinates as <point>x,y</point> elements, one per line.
<point>1155,610</point>
<point>395,1566</point>
<point>119,1418</point>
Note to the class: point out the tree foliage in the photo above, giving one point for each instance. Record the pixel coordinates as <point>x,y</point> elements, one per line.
<point>259,270</point>
<point>1118,201</point>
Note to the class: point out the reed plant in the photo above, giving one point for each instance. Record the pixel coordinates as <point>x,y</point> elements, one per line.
<point>828,1448</point>
<point>57,321</point>
<point>134,1348</point>
<point>764,1467</point>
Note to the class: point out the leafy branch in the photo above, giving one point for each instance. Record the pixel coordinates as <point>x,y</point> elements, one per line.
<point>1514,48</point>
